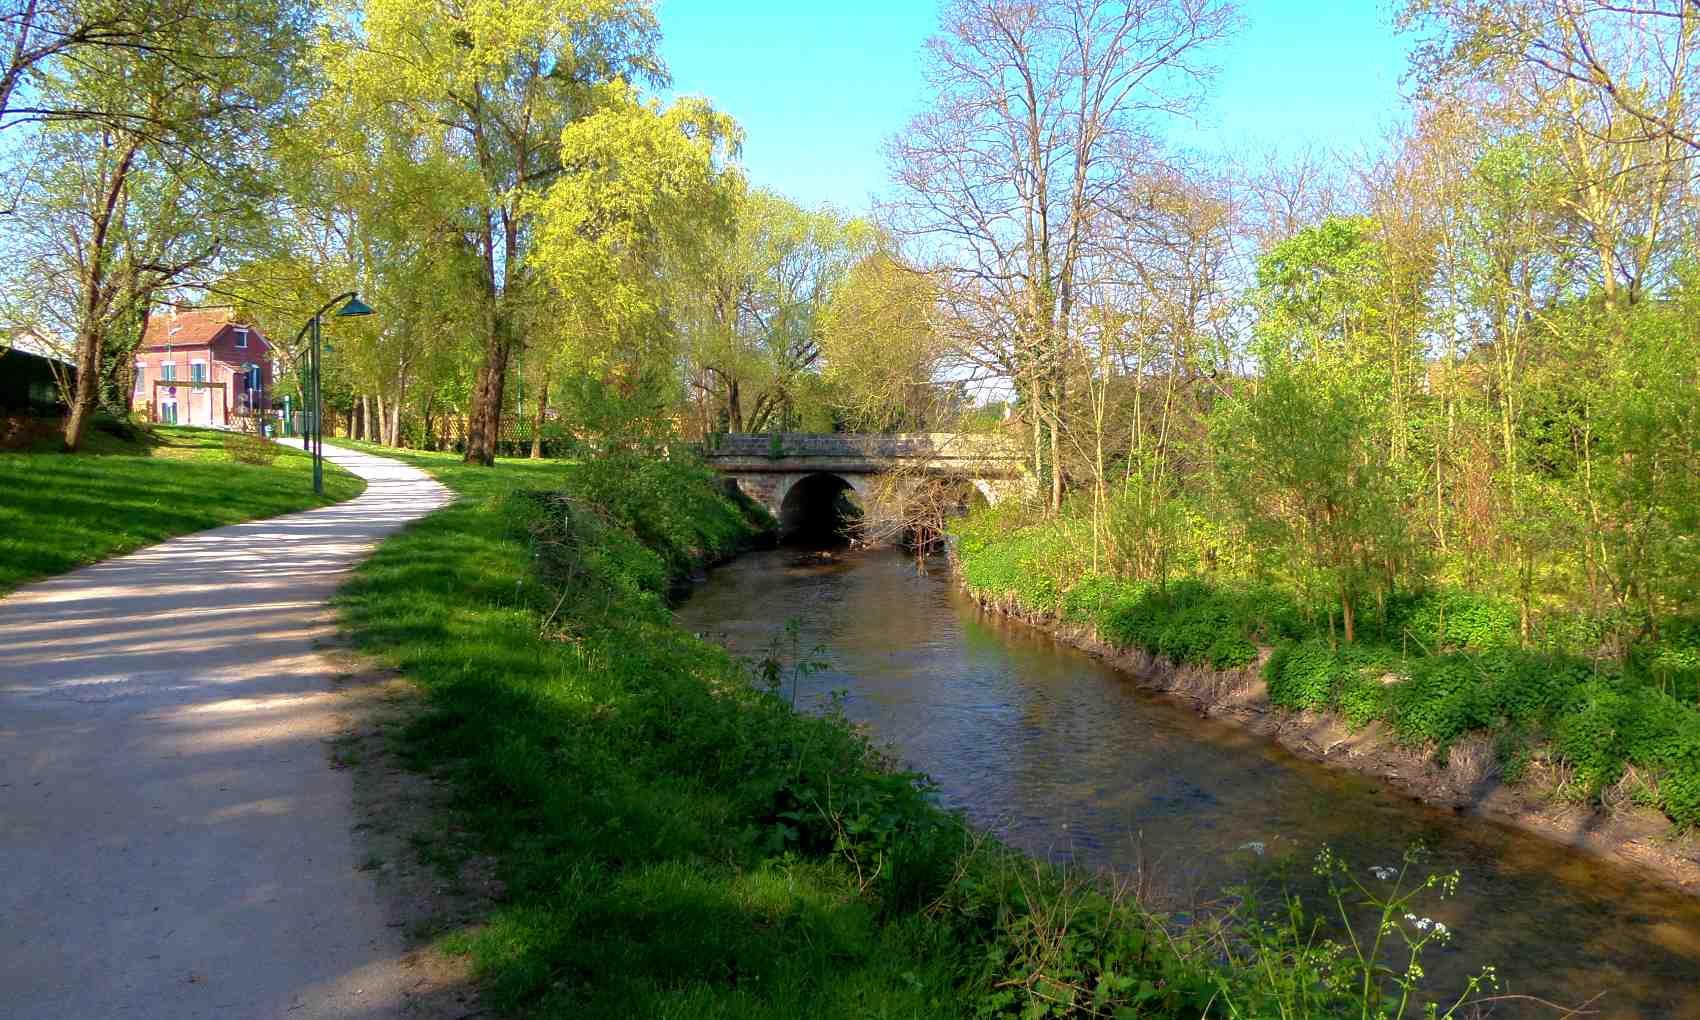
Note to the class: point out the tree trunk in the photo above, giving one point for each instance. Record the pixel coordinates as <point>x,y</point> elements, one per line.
<point>1056,465</point>
<point>1348,616</point>
<point>360,429</point>
<point>542,410</point>
<point>484,424</point>
<point>92,333</point>
<point>378,433</point>
<point>88,386</point>
<point>392,429</point>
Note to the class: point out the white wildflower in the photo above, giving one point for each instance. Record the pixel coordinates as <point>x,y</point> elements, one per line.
<point>1382,872</point>
<point>1256,846</point>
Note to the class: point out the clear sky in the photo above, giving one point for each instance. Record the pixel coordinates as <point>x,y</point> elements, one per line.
<point>819,85</point>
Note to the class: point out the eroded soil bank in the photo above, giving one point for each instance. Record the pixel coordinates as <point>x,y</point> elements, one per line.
<point>1468,780</point>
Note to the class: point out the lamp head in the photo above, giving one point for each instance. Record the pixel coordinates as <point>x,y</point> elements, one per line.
<point>354,307</point>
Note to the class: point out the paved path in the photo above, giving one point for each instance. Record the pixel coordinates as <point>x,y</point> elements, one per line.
<point>173,839</point>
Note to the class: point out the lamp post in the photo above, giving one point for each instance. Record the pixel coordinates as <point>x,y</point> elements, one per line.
<point>315,429</point>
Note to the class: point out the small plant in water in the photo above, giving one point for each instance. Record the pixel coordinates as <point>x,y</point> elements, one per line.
<point>1373,970</point>
<point>785,661</point>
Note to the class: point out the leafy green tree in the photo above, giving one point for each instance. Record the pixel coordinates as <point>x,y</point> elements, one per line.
<point>645,195</point>
<point>754,315</point>
<point>1304,452</point>
<point>493,85</point>
<point>881,347</point>
<point>162,185</point>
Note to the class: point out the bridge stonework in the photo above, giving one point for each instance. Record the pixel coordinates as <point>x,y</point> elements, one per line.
<point>766,467</point>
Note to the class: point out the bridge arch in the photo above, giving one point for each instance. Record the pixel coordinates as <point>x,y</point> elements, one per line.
<point>784,472</point>
<point>819,507</point>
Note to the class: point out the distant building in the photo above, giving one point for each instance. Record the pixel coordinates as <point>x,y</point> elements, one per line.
<point>201,367</point>
<point>32,370</point>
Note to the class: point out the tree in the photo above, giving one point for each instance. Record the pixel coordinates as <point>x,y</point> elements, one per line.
<point>494,84</point>
<point>1305,481</point>
<point>881,347</point>
<point>644,193</point>
<point>1039,116</point>
<point>754,316</point>
<point>1637,57</point>
<point>147,196</point>
<point>103,38</point>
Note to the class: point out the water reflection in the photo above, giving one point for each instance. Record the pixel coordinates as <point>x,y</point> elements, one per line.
<point>1065,758</point>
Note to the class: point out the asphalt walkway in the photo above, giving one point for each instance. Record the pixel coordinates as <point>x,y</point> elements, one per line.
<point>174,841</point>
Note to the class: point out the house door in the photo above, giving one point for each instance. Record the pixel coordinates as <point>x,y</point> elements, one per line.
<point>168,411</point>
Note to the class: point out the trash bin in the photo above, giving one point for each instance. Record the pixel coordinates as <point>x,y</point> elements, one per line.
<point>268,428</point>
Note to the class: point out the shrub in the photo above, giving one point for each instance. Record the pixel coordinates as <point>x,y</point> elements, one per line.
<point>1451,619</point>
<point>247,448</point>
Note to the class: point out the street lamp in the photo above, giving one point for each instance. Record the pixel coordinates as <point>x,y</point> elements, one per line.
<point>315,431</point>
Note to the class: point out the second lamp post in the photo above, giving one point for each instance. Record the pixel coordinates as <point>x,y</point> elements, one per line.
<point>313,432</point>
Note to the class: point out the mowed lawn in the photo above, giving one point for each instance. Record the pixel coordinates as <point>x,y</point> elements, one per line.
<point>473,482</point>
<point>60,511</point>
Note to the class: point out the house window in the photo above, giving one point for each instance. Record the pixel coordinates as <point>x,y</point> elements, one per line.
<point>197,371</point>
<point>241,337</point>
<point>141,377</point>
<point>168,371</point>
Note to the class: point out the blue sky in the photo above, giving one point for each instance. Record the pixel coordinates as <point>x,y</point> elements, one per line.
<point>819,86</point>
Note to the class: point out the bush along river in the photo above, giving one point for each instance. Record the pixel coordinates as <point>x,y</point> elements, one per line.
<point>1062,756</point>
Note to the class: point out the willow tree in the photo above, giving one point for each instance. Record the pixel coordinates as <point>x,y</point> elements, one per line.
<point>881,348</point>
<point>493,84</point>
<point>1037,120</point>
<point>753,318</point>
<point>644,193</point>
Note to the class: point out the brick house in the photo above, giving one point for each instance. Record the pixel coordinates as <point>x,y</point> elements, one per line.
<point>201,367</point>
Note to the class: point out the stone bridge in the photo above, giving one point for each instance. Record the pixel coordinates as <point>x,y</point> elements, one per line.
<point>798,476</point>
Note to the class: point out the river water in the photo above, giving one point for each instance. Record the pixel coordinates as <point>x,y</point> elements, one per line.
<point>1068,759</point>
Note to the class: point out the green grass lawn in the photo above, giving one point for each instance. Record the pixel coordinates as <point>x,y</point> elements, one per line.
<point>472,482</point>
<point>61,511</point>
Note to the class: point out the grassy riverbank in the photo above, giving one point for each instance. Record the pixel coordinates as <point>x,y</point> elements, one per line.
<point>675,841</point>
<point>1434,667</point>
<point>131,488</point>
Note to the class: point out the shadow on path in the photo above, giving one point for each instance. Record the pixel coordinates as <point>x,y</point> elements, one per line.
<point>174,839</point>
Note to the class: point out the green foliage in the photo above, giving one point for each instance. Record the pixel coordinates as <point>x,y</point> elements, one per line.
<point>677,509</point>
<point>1188,622</point>
<point>1434,666</point>
<point>247,448</point>
<point>1067,948</point>
<point>1450,619</point>
<point>1599,722</point>
<point>1299,967</point>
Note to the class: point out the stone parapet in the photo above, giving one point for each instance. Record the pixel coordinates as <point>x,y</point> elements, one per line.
<point>858,447</point>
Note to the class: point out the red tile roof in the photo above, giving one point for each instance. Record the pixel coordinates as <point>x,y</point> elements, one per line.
<point>191,327</point>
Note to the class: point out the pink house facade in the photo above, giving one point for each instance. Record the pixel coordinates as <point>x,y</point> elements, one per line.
<point>201,367</point>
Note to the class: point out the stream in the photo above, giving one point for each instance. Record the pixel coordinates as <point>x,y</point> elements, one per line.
<point>1068,759</point>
